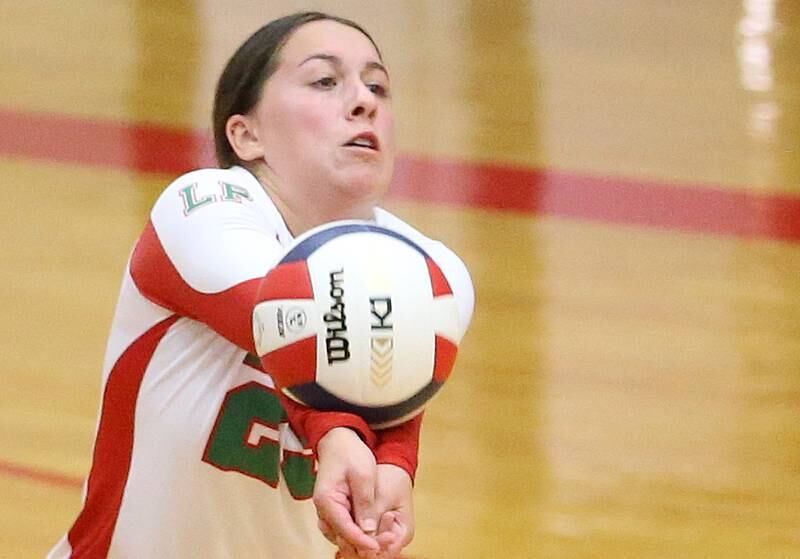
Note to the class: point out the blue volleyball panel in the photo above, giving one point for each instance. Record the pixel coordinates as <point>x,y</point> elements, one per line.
<point>307,246</point>
<point>315,396</point>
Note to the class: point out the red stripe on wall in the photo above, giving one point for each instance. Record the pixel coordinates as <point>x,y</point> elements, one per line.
<point>137,147</point>
<point>90,536</point>
<point>696,208</point>
<point>686,207</point>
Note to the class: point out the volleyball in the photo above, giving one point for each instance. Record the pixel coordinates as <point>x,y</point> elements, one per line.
<point>357,318</point>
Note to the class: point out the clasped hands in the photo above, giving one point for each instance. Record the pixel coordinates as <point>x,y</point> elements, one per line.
<point>364,508</point>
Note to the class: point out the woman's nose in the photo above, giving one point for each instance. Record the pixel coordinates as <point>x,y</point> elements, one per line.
<point>362,103</point>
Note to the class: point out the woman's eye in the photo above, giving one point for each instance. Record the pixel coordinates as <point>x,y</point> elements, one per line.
<point>378,89</point>
<point>326,82</point>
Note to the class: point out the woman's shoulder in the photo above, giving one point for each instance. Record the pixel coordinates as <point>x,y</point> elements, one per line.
<point>206,188</point>
<point>454,268</point>
<point>435,248</point>
<point>214,177</point>
<point>387,219</point>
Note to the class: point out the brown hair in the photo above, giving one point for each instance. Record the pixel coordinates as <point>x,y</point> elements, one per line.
<point>240,84</point>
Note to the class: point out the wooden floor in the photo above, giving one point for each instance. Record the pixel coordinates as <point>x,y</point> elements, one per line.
<point>630,387</point>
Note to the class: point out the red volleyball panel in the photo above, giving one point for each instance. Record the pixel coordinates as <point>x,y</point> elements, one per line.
<point>439,283</point>
<point>293,364</point>
<point>287,281</point>
<point>445,358</point>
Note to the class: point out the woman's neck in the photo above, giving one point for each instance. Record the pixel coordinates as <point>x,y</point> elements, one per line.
<point>300,214</point>
<point>298,222</point>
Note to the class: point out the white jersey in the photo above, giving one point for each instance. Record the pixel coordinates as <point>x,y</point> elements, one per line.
<point>194,456</point>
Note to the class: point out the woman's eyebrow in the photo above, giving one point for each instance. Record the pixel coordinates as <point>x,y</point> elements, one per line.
<point>377,66</point>
<point>336,61</point>
<point>322,56</point>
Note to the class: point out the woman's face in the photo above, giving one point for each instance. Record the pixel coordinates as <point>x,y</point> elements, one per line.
<point>325,119</point>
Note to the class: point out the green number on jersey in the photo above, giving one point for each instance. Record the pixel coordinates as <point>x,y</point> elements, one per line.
<point>245,439</point>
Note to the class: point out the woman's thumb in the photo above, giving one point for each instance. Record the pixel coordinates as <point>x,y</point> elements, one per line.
<point>364,507</point>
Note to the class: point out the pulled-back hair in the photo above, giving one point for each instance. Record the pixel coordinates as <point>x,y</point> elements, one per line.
<point>241,82</point>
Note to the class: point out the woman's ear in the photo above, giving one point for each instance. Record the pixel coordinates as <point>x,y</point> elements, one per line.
<point>243,138</point>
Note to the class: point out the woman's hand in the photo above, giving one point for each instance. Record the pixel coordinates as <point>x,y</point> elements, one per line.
<point>394,500</point>
<point>344,493</point>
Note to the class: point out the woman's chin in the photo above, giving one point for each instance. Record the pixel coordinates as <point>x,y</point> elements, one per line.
<point>366,187</point>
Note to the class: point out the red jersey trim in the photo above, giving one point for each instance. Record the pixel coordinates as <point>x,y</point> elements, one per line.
<point>311,425</point>
<point>228,312</point>
<point>400,445</point>
<point>90,536</point>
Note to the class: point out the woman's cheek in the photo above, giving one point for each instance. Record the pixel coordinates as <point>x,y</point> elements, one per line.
<point>387,129</point>
<point>313,114</point>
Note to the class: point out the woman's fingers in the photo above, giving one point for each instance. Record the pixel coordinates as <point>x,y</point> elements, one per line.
<point>338,521</point>
<point>326,530</point>
<point>362,487</point>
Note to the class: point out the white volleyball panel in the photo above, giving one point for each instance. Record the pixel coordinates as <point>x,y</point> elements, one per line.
<point>373,295</point>
<point>282,322</point>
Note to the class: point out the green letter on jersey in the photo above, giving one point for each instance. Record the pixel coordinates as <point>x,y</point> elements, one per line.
<point>233,193</point>
<point>245,439</point>
<point>190,201</point>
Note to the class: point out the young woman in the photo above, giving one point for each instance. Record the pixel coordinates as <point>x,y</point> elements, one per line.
<point>196,454</point>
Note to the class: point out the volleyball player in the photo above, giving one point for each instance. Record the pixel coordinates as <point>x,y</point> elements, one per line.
<point>196,455</point>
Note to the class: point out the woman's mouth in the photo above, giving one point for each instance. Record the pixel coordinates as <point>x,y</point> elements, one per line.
<point>365,140</point>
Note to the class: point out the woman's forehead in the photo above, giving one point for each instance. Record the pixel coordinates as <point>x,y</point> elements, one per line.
<point>328,38</point>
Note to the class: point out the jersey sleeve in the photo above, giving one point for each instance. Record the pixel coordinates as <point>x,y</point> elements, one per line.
<point>460,282</point>
<point>312,425</point>
<point>204,251</point>
<point>210,241</point>
<point>400,445</point>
